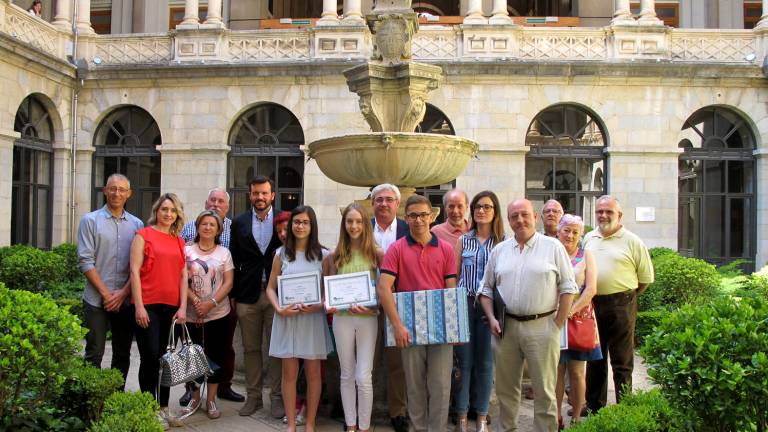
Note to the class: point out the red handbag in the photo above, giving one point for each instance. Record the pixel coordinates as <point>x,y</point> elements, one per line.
<point>582,330</point>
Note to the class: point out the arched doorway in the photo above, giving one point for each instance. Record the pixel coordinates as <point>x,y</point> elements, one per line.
<point>32,196</point>
<point>125,143</point>
<point>566,161</point>
<point>716,179</point>
<point>265,141</point>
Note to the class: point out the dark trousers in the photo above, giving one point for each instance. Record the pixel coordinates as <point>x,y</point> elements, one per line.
<point>211,336</point>
<point>152,342</point>
<point>228,361</point>
<point>616,315</point>
<point>98,321</point>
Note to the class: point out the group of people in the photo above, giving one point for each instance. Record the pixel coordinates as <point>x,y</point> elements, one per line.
<point>214,273</point>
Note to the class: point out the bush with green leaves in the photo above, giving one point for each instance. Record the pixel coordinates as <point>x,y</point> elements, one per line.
<point>31,269</point>
<point>39,343</point>
<point>129,412</point>
<point>646,323</point>
<point>637,412</point>
<point>657,252</point>
<point>711,362</point>
<point>86,389</point>
<point>679,281</point>
<point>68,251</point>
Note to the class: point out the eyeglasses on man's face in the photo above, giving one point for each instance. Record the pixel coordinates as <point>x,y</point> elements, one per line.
<point>115,189</point>
<point>423,216</point>
<point>382,200</point>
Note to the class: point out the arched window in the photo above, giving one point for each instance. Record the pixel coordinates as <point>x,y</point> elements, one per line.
<point>32,200</point>
<point>265,141</point>
<point>437,123</point>
<point>717,212</point>
<point>125,143</point>
<point>566,160</point>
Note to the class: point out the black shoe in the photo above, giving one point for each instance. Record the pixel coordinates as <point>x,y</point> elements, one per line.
<point>230,395</point>
<point>400,424</point>
<point>187,396</point>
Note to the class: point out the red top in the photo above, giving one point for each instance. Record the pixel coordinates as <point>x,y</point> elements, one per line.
<point>161,271</point>
<point>417,267</point>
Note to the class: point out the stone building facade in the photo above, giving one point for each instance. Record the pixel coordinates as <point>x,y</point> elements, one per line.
<point>670,120</point>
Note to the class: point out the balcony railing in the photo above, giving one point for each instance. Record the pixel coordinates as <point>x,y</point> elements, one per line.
<point>433,43</point>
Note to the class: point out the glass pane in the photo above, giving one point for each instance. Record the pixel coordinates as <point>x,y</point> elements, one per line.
<point>28,161</point>
<point>538,201</point>
<point>16,194</point>
<point>591,175</point>
<point>240,202</point>
<point>714,220</point>
<point>714,173</point>
<point>291,169</point>
<point>587,209</point>
<point>538,174</point>
<point>569,202</point>
<point>42,218</point>
<point>740,213</point>
<point>44,168</point>
<point>266,166</point>
<point>147,199</point>
<point>18,171</point>
<point>740,176</point>
<point>565,175</point>
<point>690,175</point>
<point>241,172</point>
<point>688,222</point>
<point>289,200</point>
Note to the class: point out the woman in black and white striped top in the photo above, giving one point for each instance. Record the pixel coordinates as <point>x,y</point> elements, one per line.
<point>472,251</point>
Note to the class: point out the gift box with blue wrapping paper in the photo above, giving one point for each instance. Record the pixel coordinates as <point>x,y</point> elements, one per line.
<point>432,317</point>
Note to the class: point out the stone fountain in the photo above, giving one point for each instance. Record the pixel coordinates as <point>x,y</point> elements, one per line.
<point>393,91</point>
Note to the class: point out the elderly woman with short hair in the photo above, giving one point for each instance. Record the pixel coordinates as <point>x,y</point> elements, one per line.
<point>569,232</point>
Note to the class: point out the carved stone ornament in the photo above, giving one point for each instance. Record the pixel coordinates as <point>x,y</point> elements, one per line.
<point>393,34</point>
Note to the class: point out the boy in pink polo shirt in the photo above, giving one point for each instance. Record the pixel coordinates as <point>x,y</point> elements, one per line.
<point>420,261</point>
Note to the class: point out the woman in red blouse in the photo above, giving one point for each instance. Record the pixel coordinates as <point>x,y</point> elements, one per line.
<point>158,287</point>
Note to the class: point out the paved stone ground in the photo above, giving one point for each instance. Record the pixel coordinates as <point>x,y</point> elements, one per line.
<point>230,421</point>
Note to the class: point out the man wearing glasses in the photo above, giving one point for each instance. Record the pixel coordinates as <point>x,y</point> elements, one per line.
<point>387,228</point>
<point>420,261</point>
<point>103,249</point>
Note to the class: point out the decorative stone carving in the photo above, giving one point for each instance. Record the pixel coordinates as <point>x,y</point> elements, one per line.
<point>393,34</point>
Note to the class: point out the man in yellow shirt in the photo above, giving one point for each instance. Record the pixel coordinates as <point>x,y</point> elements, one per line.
<point>624,270</point>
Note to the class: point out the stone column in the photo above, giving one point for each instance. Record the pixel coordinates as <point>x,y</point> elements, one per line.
<point>761,171</point>
<point>648,13</point>
<point>353,11</point>
<point>475,13</point>
<point>214,13</point>
<point>763,23</point>
<point>191,13</point>
<point>84,17</point>
<point>499,15</point>
<point>7,138</point>
<point>622,13</point>
<point>63,17</point>
<point>329,16</point>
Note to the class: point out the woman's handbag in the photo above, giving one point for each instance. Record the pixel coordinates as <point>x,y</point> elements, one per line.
<point>582,330</point>
<point>185,364</point>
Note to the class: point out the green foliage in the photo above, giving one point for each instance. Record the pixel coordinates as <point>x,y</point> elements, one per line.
<point>68,251</point>
<point>31,269</point>
<point>711,362</point>
<point>637,412</point>
<point>658,252</point>
<point>68,295</point>
<point>753,286</point>
<point>39,343</point>
<point>86,389</point>
<point>679,281</point>
<point>129,412</point>
<point>646,323</point>
<point>733,268</point>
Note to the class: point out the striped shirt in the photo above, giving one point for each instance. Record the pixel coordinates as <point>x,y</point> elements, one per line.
<point>474,257</point>
<point>189,232</point>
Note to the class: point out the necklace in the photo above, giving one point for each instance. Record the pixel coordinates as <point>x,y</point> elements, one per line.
<point>206,250</point>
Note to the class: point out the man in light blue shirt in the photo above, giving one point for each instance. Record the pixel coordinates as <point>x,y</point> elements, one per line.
<point>103,248</point>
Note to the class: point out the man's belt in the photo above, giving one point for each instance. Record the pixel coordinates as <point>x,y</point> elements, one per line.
<point>529,317</point>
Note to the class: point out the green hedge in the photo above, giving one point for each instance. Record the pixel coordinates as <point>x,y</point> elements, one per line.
<point>31,269</point>
<point>86,389</point>
<point>39,343</point>
<point>129,412</point>
<point>711,362</point>
<point>646,323</point>
<point>637,412</point>
<point>679,280</point>
<point>72,272</point>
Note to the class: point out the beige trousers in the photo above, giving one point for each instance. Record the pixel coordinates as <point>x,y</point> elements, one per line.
<point>256,328</point>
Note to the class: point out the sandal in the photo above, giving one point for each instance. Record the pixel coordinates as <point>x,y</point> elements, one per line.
<point>191,407</point>
<point>212,411</point>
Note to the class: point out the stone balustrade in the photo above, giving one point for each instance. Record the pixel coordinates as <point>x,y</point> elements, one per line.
<point>439,43</point>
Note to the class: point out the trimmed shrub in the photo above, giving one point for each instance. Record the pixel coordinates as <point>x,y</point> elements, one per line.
<point>31,269</point>
<point>680,280</point>
<point>86,389</point>
<point>753,286</point>
<point>646,323</point>
<point>711,362</point>
<point>658,252</point>
<point>39,343</point>
<point>68,251</point>
<point>637,412</point>
<point>129,412</point>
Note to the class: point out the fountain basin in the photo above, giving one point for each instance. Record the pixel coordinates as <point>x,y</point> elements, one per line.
<point>402,158</point>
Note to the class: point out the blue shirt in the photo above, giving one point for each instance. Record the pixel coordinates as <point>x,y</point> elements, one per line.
<point>189,232</point>
<point>474,257</point>
<point>104,243</point>
<point>262,230</point>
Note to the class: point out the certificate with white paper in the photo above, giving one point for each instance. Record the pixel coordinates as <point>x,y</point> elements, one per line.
<point>344,291</point>
<point>298,288</point>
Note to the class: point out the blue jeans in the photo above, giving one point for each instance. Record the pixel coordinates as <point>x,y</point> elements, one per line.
<point>477,354</point>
